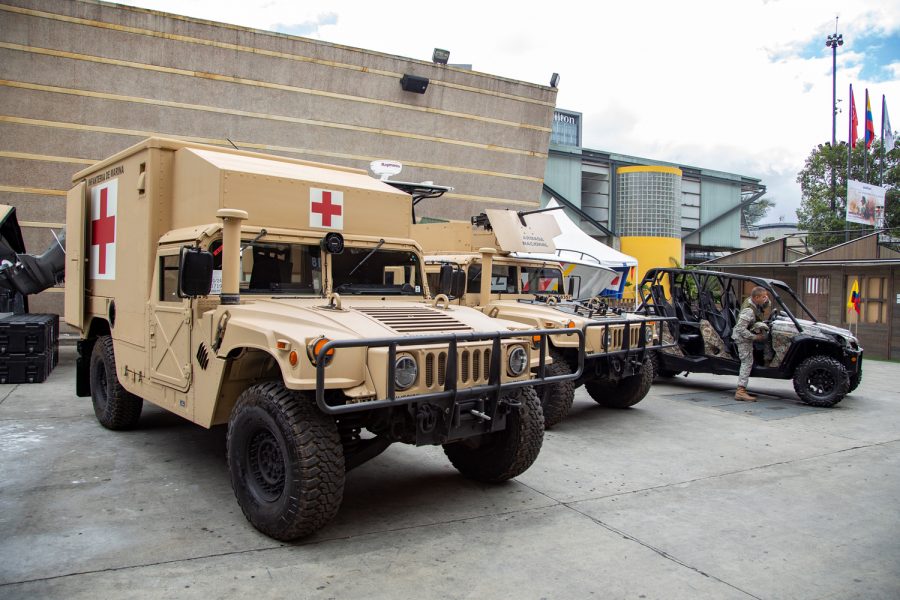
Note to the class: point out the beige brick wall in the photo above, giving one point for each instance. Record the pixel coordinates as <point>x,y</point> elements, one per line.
<point>81,80</point>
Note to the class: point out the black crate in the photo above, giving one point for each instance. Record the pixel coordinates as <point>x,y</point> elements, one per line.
<point>29,334</point>
<point>26,368</point>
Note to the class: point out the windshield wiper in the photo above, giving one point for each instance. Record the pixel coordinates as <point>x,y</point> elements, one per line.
<point>367,257</point>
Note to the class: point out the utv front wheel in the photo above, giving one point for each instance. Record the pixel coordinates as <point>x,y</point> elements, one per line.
<point>625,392</point>
<point>115,407</point>
<point>286,462</point>
<point>659,370</point>
<point>821,381</point>
<point>556,398</point>
<point>502,455</point>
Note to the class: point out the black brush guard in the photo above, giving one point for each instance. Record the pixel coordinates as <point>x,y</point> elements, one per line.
<point>451,391</point>
<point>642,347</point>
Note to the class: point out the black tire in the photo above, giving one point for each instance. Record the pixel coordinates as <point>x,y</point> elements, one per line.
<point>286,461</point>
<point>115,407</point>
<point>821,381</point>
<point>855,380</point>
<point>502,455</point>
<point>658,370</point>
<point>625,392</point>
<point>557,398</point>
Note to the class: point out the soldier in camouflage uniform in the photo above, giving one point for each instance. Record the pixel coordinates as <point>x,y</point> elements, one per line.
<point>751,314</point>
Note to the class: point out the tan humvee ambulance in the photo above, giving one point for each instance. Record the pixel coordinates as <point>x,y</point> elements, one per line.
<point>285,299</point>
<point>617,369</point>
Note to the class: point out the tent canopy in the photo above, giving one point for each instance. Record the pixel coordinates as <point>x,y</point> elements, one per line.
<point>575,247</point>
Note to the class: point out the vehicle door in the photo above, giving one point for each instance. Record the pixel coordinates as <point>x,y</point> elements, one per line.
<point>170,324</point>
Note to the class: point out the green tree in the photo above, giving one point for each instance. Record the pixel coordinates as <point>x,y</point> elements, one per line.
<point>823,180</point>
<point>754,213</point>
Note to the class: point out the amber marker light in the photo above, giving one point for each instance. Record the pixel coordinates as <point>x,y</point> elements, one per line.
<point>535,340</point>
<point>570,325</point>
<point>315,346</point>
<point>293,358</point>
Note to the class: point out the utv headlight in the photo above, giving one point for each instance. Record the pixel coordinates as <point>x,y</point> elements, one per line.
<point>518,361</point>
<point>648,332</point>
<point>405,371</point>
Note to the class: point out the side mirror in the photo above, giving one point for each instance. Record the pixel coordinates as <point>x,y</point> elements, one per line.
<point>445,279</point>
<point>458,284</point>
<point>195,271</point>
<point>571,290</point>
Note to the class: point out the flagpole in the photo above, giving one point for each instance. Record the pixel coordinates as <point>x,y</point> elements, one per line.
<point>881,175</point>
<point>866,138</point>
<point>849,136</point>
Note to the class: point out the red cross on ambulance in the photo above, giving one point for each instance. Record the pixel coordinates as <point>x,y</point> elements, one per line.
<point>326,209</point>
<point>104,207</point>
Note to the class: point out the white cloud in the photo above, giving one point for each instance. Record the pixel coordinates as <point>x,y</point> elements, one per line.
<point>731,86</point>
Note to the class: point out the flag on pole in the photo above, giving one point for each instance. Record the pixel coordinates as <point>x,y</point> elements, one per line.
<point>854,120</point>
<point>887,133</point>
<point>870,124</point>
<point>853,300</point>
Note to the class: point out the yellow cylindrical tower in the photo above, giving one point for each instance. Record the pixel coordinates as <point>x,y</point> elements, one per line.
<point>648,217</point>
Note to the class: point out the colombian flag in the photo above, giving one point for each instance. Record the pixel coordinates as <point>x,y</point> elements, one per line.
<point>870,124</point>
<point>853,301</point>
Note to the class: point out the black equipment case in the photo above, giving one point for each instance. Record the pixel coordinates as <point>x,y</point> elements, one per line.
<point>29,347</point>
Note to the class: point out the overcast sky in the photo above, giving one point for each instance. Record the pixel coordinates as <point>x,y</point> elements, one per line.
<point>739,86</point>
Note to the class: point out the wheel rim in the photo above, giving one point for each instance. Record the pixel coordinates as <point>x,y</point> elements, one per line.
<point>821,382</point>
<point>265,463</point>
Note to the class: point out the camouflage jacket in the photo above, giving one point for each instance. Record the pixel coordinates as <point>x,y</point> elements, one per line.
<point>750,315</point>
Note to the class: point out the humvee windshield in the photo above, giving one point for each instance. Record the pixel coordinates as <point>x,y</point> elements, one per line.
<point>542,280</point>
<point>376,271</point>
<point>274,268</point>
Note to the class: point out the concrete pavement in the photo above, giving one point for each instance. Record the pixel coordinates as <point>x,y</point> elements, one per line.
<point>687,495</point>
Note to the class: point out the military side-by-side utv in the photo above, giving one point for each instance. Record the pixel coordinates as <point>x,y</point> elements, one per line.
<point>286,299</point>
<point>824,362</point>
<point>617,371</point>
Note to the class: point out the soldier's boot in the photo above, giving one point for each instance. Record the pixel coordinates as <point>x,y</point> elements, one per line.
<point>743,395</point>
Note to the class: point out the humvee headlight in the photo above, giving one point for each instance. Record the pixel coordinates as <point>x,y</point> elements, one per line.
<point>518,361</point>
<point>405,371</point>
<point>315,346</point>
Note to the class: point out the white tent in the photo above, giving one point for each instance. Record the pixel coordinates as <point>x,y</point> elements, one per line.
<point>601,269</point>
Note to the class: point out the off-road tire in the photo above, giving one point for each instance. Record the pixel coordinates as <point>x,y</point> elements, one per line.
<point>855,380</point>
<point>286,461</point>
<point>502,455</point>
<point>625,392</point>
<point>116,408</point>
<point>658,370</point>
<point>556,398</point>
<point>821,381</point>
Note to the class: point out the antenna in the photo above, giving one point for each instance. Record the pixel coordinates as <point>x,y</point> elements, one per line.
<point>232,144</point>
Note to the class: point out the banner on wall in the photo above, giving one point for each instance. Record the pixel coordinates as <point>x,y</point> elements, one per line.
<point>865,203</point>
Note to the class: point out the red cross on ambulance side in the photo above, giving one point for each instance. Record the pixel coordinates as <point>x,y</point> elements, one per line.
<point>326,209</point>
<point>104,208</point>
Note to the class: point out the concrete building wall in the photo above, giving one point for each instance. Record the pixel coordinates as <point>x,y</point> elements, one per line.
<point>81,80</point>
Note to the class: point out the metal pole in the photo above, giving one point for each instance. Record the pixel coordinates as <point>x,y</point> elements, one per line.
<point>833,41</point>
<point>833,95</point>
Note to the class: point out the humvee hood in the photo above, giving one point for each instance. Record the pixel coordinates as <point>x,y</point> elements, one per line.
<point>364,318</point>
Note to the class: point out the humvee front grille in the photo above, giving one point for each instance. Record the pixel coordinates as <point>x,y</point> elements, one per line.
<point>414,319</point>
<point>474,367</point>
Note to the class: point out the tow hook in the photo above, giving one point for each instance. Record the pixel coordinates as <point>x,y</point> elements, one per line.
<point>427,418</point>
